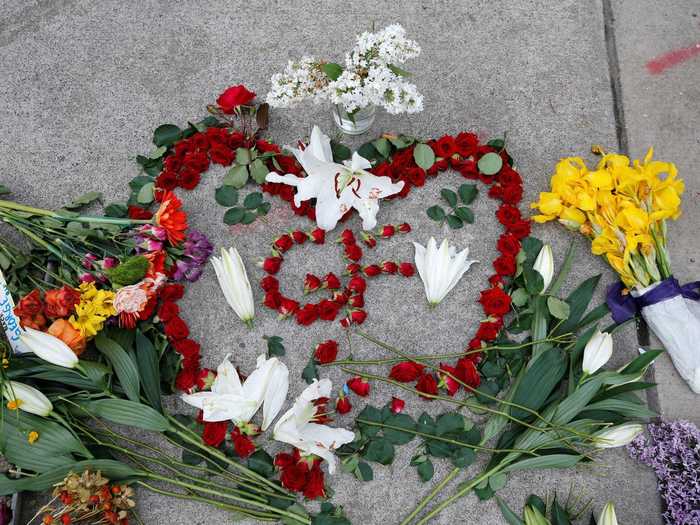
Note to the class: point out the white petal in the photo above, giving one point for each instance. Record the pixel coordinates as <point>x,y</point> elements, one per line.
<point>367,210</point>
<point>320,145</point>
<point>227,380</point>
<point>372,186</point>
<point>358,162</point>
<point>322,440</point>
<point>276,394</point>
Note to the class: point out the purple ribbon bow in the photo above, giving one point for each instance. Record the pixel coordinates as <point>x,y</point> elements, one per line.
<point>625,306</point>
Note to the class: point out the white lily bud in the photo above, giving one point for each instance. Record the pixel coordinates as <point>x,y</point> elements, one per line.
<point>440,268</point>
<point>26,398</point>
<point>617,436</point>
<point>234,282</point>
<point>533,516</point>
<point>49,348</point>
<point>607,515</point>
<point>597,352</point>
<point>544,265</point>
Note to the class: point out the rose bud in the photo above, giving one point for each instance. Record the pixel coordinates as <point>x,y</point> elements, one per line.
<point>356,301</point>
<point>406,269</point>
<point>397,405</point>
<point>287,307</point>
<point>326,352</point>
<point>372,270</point>
<point>318,236</point>
<point>345,322</point>
<point>331,281</point>
<point>343,405</point>
<point>347,237</point>
<point>359,386</point>
<point>311,283</point>
<point>340,297</point>
<point>273,299</point>
<point>357,284</point>
<point>369,240</point>
<point>353,252</point>
<point>299,236</point>
<point>271,264</point>
<point>404,227</point>
<point>388,231</point>
<point>269,284</point>
<point>390,267</point>
<point>283,243</point>
<point>352,268</point>
<point>358,316</point>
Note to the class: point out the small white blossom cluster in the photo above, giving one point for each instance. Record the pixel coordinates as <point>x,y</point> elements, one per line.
<point>371,76</point>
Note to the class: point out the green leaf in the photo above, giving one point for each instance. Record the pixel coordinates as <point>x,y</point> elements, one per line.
<point>426,470</point>
<point>625,408</point>
<point>398,71</point>
<point>578,300</point>
<point>498,481</point>
<point>237,176</point>
<point>383,146</point>
<point>436,213</point>
<point>84,200</point>
<point>449,422</point>
<point>234,216</point>
<point>226,196</point>
<point>449,196</point>
<point>275,348</point>
<point>463,457</point>
<point>511,517</point>
<point>340,151</point>
<point>369,152</point>
<point>243,156</point>
<point>147,358</point>
<point>116,209</point>
<point>424,156</point>
<point>258,171</point>
<point>465,214</point>
<point>398,437</point>
<point>534,501</point>
<point>248,217</point>
<point>545,462</point>
<point>4,190</point>
<point>253,200</point>
<point>190,458</point>
<point>468,192</point>
<point>145,194</point>
<point>157,153</point>
<point>125,412</point>
<point>114,470</point>
<point>380,450</point>
<point>402,141</point>
<point>122,364</point>
<point>310,372</point>
<point>364,472</point>
<point>640,363</point>
<point>537,383</point>
<point>559,514</point>
<point>332,70</point>
<point>166,135</point>
<point>558,308</point>
<point>454,222</point>
<point>263,209</point>
<point>294,509</point>
<point>261,462</point>
<point>490,164</point>
<point>519,297</point>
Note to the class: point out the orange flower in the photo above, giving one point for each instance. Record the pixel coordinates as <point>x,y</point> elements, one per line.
<point>61,302</point>
<point>65,332</point>
<point>30,311</point>
<point>171,218</point>
<point>156,263</point>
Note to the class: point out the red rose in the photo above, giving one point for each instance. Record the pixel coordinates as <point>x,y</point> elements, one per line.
<point>359,386</point>
<point>340,298</point>
<point>266,146</point>
<point>508,215</point>
<point>172,292</point>
<point>186,379</point>
<point>311,283</point>
<point>318,236</point>
<point>242,444</point>
<point>496,280</point>
<point>167,180</point>
<point>272,264</point>
<point>488,330</point>
<point>328,310</point>
<point>427,384</point>
<point>307,314</point>
<point>326,352</point>
<point>466,144</point>
<point>347,237</point>
<point>269,284</point>
<point>397,405</point>
<point>216,135</point>
<point>235,140</point>
<point>447,379</point>
<point>353,252</point>
<point>445,146</point>
<point>509,176</point>
<point>315,483</point>
<point>404,227</point>
<point>388,231</point>
<point>406,269</point>
<point>352,268</point>
<point>358,316</point>
<point>357,284</point>
<point>176,329</point>
<point>343,405</point>
<point>406,371</point>
<point>331,281</point>
<point>167,311</point>
<point>508,244</point>
<point>512,194</point>
<point>520,229</point>
<point>504,265</point>
<point>369,240</point>
<point>416,176</point>
<point>273,299</point>
<point>30,311</point>
<point>299,236</point>
<point>172,163</point>
<point>199,141</point>
<point>468,169</point>
<point>390,267</point>
<point>233,97</point>
<point>221,154</point>
<point>138,213</point>
<point>372,270</point>
<point>495,302</point>
<point>214,433</point>
<point>187,348</point>
<point>197,161</point>
<point>284,243</point>
<point>61,302</point>
<point>284,460</point>
<point>356,301</point>
<point>294,477</point>
<point>467,372</point>
<point>288,307</point>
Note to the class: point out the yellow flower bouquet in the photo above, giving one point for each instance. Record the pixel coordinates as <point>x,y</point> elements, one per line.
<point>623,207</point>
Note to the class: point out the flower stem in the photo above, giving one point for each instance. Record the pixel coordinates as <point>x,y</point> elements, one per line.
<point>9,205</point>
<point>430,496</point>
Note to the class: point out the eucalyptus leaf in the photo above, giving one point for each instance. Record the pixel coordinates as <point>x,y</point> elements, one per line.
<point>490,164</point>
<point>558,308</point>
<point>145,194</point>
<point>237,176</point>
<point>258,171</point>
<point>424,156</point>
<point>243,156</point>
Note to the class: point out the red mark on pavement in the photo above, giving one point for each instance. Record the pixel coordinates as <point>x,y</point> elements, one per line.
<point>661,63</point>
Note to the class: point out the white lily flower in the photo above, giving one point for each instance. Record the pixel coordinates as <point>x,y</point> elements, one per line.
<point>49,348</point>
<point>440,269</point>
<point>229,399</point>
<point>544,265</point>
<point>617,436</point>
<point>26,398</point>
<point>597,352</point>
<point>607,515</point>
<point>234,282</point>
<point>298,426</point>
<point>336,187</point>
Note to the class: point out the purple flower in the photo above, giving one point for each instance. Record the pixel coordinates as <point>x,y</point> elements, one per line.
<point>196,252</point>
<point>673,451</point>
<point>149,238</point>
